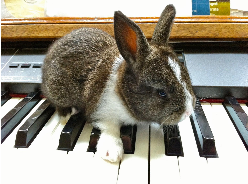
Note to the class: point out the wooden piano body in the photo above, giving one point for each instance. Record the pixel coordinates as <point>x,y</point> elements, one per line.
<point>215,51</point>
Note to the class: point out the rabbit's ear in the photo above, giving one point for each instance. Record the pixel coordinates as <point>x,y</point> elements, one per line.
<point>130,40</point>
<point>162,30</point>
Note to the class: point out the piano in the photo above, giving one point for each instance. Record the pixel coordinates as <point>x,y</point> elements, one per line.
<point>210,146</point>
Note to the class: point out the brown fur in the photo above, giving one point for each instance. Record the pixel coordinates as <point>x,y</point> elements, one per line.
<point>139,89</point>
<point>147,71</point>
<point>77,67</point>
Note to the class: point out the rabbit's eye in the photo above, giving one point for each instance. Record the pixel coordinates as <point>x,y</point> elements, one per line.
<point>162,93</point>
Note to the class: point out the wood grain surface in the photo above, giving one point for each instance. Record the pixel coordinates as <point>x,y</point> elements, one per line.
<point>207,28</point>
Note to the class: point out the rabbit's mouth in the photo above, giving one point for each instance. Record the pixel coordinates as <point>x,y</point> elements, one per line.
<point>171,119</point>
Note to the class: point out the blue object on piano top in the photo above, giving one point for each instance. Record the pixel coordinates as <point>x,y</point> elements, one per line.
<point>200,7</point>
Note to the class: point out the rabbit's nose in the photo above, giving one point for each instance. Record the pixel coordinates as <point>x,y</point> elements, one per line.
<point>188,113</point>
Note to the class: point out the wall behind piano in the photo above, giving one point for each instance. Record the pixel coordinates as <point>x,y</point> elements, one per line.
<point>99,8</point>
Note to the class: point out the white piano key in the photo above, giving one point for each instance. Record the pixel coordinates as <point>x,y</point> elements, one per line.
<point>162,167</point>
<point>42,160</point>
<point>107,172</point>
<point>81,161</point>
<point>58,161</point>
<point>40,157</point>
<point>60,164</point>
<point>48,138</point>
<point>214,126</point>
<point>83,140</point>
<point>47,167</point>
<point>67,169</point>
<point>54,140</point>
<point>10,104</point>
<point>134,167</point>
<point>192,166</point>
<point>21,161</point>
<point>214,164</point>
<point>245,108</point>
<point>10,140</point>
<point>43,138</point>
<point>30,166</point>
<point>7,166</point>
<point>229,167</point>
<point>10,160</point>
<point>227,138</point>
<point>75,167</point>
<point>188,139</point>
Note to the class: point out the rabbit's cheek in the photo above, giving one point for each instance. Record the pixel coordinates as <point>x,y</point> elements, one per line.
<point>189,103</point>
<point>189,99</point>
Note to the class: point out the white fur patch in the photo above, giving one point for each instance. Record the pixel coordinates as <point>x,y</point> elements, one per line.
<point>188,103</point>
<point>110,107</point>
<point>176,68</point>
<point>189,100</point>
<point>108,117</point>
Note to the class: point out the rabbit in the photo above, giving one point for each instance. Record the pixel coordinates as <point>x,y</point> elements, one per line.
<point>121,80</point>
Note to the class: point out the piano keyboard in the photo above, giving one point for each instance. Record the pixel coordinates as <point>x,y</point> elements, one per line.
<point>209,147</point>
<point>43,162</point>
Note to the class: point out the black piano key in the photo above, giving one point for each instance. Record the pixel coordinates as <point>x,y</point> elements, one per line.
<point>238,117</point>
<point>172,141</point>
<point>128,137</point>
<point>127,134</point>
<point>203,134</point>
<point>94,137</point>
<point>29,130</point>
<point>16,115</point>
<point>71,132</point>
<point>4,97</point>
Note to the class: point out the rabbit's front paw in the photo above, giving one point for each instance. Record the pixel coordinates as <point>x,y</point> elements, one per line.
<point>110,148</point>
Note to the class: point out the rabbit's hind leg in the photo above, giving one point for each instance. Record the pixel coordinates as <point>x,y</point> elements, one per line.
<point>64,114</point>
<point>64,111</point>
